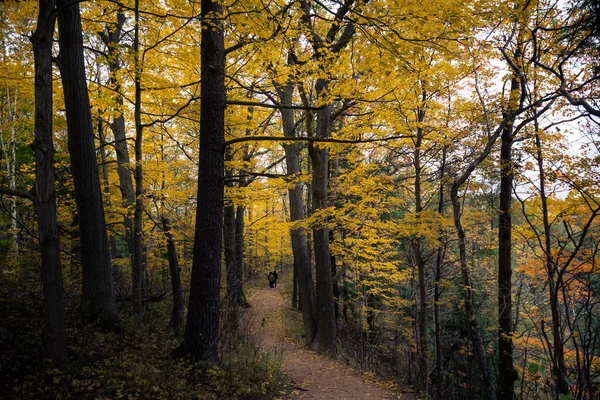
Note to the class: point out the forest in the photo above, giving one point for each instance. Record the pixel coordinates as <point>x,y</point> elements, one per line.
<point>424,178</point>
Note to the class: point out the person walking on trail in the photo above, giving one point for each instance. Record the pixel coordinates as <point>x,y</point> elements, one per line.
<point>276,277</point>
<point>272,279</point>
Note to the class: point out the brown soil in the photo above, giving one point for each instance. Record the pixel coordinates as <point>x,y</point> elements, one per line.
<point>309,375</point>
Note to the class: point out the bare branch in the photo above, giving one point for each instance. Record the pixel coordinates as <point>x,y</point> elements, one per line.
<point>312,139</point>
<point>17,193</point>
<point>267,105</point>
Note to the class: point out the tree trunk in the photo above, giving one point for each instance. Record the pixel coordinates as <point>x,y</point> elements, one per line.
<point>507,375</point>
<point>475,330</point>
<point>326,334</point>
<point>333,176</point>
<point>106,187</point>
<point>176,321</point>
<point>239,236</point>
<point>10,158</point>
<point>323,48</point>
<point>439,359</point>
<point>295,286</point>
<point>418,249</point>
<point>556,350</point>
<point>112,39</point>
<point>229,243</point>
<point>54,333</point>
<point>202,325</point>
<point>137,266</point>
<point>468,290</point>
<point>98,297</point>
<point>302,263</point>
<point>239,250</point>
<point>336,287</point>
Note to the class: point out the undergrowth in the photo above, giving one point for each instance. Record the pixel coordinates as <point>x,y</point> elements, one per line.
<point>133,362</point>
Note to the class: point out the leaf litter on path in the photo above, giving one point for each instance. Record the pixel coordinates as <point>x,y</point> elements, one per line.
<point>309,375</point>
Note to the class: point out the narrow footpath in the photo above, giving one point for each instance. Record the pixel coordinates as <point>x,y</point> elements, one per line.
<point>309,375</point>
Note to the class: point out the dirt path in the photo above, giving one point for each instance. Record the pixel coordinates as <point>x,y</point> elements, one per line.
<point>310,375</point>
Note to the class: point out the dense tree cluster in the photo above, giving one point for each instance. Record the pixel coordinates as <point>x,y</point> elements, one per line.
<point>425,176</point>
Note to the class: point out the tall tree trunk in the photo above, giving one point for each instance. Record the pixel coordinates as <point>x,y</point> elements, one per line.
<point>54,334</point>
<point>13,176</point>
<point>417,243</point>
<point>177,310</point>
<point>137,266</point>
<point>326,334</point>
<point>295,286</point>
<point>112,39</point>
<point>439,359</point>
<point>98,297</point>
<point>229,243</point>
<point>176,321</point>
<point>10,159</point>
<point>556,350</point>
<point>325,341</point>
<point>202,325</point>
<point>239,235</point>
<point>302,263</point>
<point>516,108</point>
<point>336,287</point>
<point>239,251</point>
<point>105,185</point>
<point>475,330</point>
<point>507,375</point>
<point>75,250</point>
<point>333,176</point>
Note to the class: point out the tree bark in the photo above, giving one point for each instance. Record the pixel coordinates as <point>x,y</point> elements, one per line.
<point>112,39</point>
<point>10,158</point>
<point>176,320</point>
<point>54,333</point>
<point>137,265</point>
<point>326,333</point>
<point>439,359</point>
<point>507,375</point>
<point>239,250</point>
<point>476,335</point>
<point>202,325</point>
<point>98,297</point>
<point>239,235</point>
<point>302,265</point>
<point>332,43</point>
<point>336,287</point>
<point>295,286</point>
<point>333,176</point>
<point>475,330</point>
<point>417,243</point>
<point>106,187</point>
<point>556,350</point>
<point>231,259</point>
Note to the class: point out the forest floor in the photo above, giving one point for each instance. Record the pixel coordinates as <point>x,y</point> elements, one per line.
<point>310,376</point>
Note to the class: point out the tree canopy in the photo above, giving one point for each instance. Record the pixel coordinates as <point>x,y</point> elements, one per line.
<point>424,177</point>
